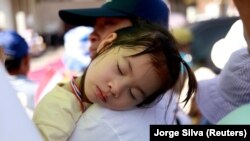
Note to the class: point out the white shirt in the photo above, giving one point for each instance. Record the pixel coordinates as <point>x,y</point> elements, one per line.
<point>99,123</point>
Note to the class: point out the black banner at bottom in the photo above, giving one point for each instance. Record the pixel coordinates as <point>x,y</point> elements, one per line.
<point>200,132</point>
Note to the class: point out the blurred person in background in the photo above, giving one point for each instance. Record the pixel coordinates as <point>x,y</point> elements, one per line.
<point>228,91</point>
<point>17,64</point>
<point>14,121</point>
<point>75,59</point>
<point>76,42</point>
<point>241,114</point>
<point>35,42</point>
<point>233,41</point>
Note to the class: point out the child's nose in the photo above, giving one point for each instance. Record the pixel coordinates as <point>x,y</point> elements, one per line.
<point>116,88</point>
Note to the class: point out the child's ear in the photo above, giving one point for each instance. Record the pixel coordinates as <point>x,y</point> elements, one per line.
<point>107,41</point>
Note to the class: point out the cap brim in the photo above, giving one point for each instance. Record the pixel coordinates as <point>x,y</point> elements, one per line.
<point>87,17</point>
<point>211,102</point>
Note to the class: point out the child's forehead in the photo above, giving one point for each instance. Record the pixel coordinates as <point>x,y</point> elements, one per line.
<point>128,49</point>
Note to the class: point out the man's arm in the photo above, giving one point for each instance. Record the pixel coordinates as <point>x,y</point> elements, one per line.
<point>244,11</point>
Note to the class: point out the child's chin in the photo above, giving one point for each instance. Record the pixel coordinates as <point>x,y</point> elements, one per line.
<point>118,108</point>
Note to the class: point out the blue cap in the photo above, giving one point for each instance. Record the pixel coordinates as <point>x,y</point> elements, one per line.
<point>155,11</point>
<point>14,45</point>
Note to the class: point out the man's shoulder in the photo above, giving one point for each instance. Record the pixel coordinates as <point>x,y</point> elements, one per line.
<point>162,112</point>
<point>121,125</point>
<point>154,114</point>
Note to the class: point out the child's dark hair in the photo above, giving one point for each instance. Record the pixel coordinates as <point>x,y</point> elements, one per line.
<point>162,48</point>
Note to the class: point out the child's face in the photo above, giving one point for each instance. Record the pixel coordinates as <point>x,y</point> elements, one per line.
<point>119,82</point>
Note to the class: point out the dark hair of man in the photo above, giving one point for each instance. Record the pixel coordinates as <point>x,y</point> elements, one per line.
<point>12,64</point>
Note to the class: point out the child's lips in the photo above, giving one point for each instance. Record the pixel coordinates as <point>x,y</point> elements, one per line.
<point>100,94</point>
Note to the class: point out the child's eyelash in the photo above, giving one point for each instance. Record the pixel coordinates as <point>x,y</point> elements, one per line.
<point>119,69</point>
<point>131,94</point>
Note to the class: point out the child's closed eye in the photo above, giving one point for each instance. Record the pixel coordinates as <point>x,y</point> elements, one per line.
<point>119,69</point>
<point>132,95</point>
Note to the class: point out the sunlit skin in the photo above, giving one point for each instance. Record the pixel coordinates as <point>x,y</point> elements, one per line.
<point>119,82</point>
<point>243,9</point>
<point>104,26</point>
<point>2,56</point>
